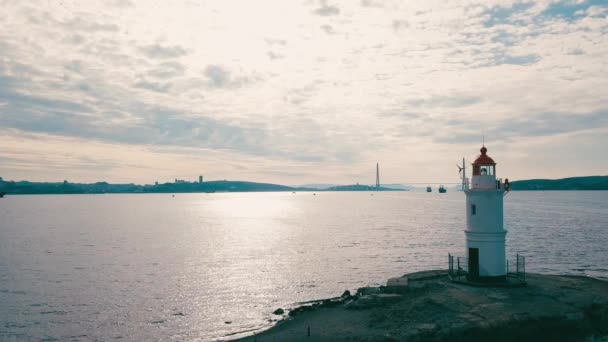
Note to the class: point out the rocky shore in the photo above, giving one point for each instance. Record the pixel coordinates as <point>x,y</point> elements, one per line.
<point>432,308</point>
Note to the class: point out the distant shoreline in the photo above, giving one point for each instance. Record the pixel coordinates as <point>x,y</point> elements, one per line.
<point>49,188</point>
<point>261,191</point>
<point>223,186</point>
<point>571,183</point>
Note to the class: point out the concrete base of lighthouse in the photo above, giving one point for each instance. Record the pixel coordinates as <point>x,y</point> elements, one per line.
<point>486,256</point>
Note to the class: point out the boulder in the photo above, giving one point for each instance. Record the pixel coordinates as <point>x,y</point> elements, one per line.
<point>373,300</point>
<point>364,291</point>
<point>397,285</point>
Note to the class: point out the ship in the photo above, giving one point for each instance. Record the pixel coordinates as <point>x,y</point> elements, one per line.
<point>442,190</point>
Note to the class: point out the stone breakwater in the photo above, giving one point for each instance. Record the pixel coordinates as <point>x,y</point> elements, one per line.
<point>432,308</point>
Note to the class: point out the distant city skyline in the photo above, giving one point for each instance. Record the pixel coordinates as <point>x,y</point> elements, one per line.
<point>300,92</point>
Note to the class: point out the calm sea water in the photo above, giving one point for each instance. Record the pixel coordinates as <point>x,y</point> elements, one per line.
<point>208,266</point>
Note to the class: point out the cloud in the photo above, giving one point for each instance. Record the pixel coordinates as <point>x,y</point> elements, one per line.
<point>326,10</point>
<point>371,3</point>
<point>157,126</point>
<point>402,114</point>
<point>518,60</point>
<point>281,42</point>
<point>119,3</point>
<point>273,55</point>
<point>327,29</point>
<point>266,89</point>
<point>444,101</point>
<point>534,125</point>
<point>89,25</point>
<point>167,70</point>
<point>74,39</point>
<point>498,15</point>
<point>16,101</point>
<point>161,87</point>
<point>572,10</point>
<point>400,24</point>
<point>220,77</point>
<point>576,51</point>
<point>163,52</point>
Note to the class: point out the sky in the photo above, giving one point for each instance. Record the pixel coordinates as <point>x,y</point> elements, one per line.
<point>297,92</point>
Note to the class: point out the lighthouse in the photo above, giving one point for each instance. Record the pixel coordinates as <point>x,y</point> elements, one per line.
<point>485,234</point>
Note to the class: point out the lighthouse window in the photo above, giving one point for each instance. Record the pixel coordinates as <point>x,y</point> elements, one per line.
<point>486,170</point>
<point>473,209</point>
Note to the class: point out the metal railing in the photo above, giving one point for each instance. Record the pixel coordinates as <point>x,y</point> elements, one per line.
<point>517,269</point>
<point>458,266</point>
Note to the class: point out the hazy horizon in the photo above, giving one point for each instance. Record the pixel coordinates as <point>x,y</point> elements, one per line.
<point>297,92</point>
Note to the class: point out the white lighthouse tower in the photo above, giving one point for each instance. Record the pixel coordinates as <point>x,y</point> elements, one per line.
<point>485,233</point>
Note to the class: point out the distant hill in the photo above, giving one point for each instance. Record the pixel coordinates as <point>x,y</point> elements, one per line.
<point>25,187</point>
<point>399,186</point>
<point>317,186</point>
<point>358,187</point>
<point>217,186</point>
<point>573,183</point>
<point>30,188</point>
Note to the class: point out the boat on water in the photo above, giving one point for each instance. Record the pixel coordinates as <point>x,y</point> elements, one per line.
<point>429,189</point>
<point>442,189</point>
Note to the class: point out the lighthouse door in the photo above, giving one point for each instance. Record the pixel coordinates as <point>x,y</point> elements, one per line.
<point>473,263</point>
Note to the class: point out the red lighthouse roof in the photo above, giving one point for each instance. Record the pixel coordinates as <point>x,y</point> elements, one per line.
<point>484,158</point>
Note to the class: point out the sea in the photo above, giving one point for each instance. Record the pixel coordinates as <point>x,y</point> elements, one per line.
<point>208,267</point>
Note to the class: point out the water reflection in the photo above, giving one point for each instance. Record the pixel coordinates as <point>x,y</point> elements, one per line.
<point>150,267</point>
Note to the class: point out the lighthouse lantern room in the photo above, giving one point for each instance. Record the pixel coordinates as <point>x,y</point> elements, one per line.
<point>485,234</point>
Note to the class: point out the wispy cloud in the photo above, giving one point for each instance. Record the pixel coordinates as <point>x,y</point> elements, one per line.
<point>162,52</point>
<point>326,9</point>
<point>444,101</point>
<point>539,125</point>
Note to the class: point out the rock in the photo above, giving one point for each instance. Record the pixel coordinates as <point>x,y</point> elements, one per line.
<point>301,309</point>
<point>396,285</point>
<point>575,316</point>
<point>401,281</point>
<point>374,300</point>
<point>388,297</point>
<point>435,309</point>
<point>364,291</point>
<point>279,311</point>
<point>521,316</point>
<point>426,327</point>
